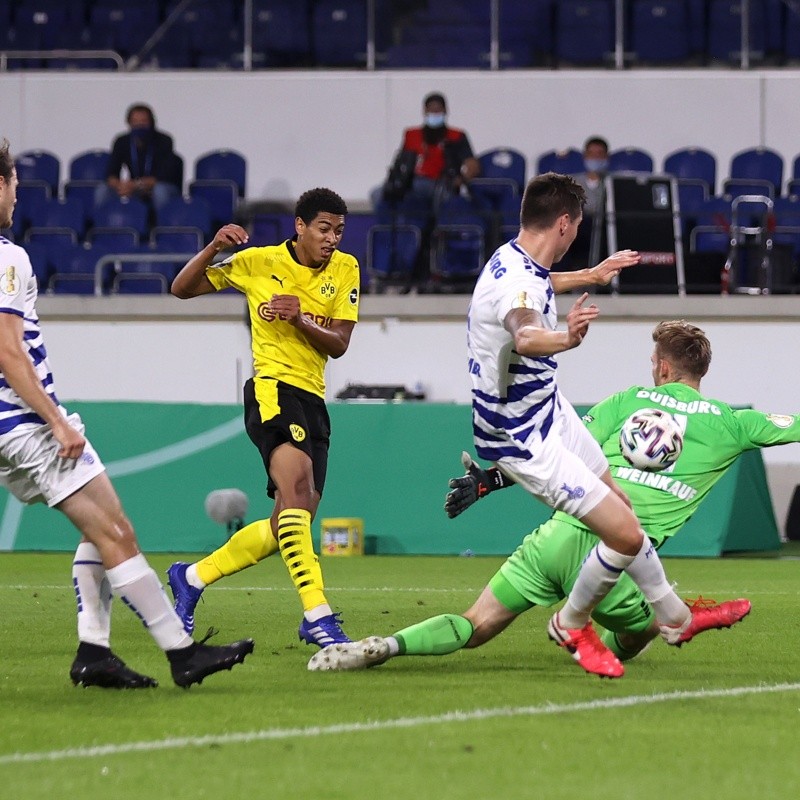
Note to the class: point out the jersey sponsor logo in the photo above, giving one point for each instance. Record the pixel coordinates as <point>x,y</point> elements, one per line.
<point>9,282</point>
<point>279,280</point>
<point>87,458</point>
<point>781,420</point>
<point>353,297</point>
<point>587,418</point>
<point>522,301</point>
<point>266,313</point>
<point>573,493</point>
<point>474,367</point>
<point>298,434</point>
<point>692,407</point>
<point>327,290</point>
<point>656,480</point>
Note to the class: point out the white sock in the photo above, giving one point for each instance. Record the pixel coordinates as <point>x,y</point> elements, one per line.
<point>394,646</point>
<point>598,575</point>
<point>318,612</point>
<point>192,578</point>
<point>137,584</point>
<point>648,574</point>
<point>93,593</point>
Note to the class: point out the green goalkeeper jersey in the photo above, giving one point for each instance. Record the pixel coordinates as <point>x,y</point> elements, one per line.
<point>714,437</point>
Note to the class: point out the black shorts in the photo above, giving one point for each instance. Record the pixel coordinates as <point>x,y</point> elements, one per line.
<point>283,413</point>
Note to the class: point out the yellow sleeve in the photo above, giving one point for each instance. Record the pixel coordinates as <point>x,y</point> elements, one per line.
<point>233,271</point>
<point>346,305</point>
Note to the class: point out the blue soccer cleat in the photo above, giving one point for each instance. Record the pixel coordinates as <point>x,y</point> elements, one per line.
<point>325,631</point>
<point>186,595</point>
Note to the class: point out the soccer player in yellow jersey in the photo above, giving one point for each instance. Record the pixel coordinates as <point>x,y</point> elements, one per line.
<point>302,297</point>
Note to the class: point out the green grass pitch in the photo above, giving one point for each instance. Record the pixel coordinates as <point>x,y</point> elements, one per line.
<point>517,718</point>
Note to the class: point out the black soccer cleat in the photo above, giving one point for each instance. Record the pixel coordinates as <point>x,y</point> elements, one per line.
<point>109,673</point>
<point>191,664</point>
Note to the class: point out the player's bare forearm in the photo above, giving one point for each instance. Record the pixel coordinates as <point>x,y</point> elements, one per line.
<point>333,341</point>
<point>600,275</point>
<point>192,281</point>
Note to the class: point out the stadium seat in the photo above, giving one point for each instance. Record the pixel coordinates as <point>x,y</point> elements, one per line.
<point>392,253</point>
<point>32,197</point>
<point>122,26</point>
<point>693,163</point>
<point>758,164</point>
<point>147,276</point>
<point>281,32</point>
<point>190,212</point>
<point>725,31</point>
<point>68,212</point>
<point>57,244</point>
<point>42,23</point>
<point>584,32</point>
<point>565,162</point>
<point>176,240</point>
<point>660,31</point>
<point>38,255</point>
<point>458,242</point>
<point>709,239</point>
<point>123,213</point>
<point>716,211</point>
<point>113,240</point>
<point>630,159</point>
<point>39,165</point>
<point>76,272</point>
<point>525,32</point>
<point>222,198</point>
<point>504,162</point>
<point>222,164</point>
<point>90,165</point>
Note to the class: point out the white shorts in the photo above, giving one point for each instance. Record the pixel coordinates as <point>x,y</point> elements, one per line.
<point>31,469</point>
<point>564,470</point>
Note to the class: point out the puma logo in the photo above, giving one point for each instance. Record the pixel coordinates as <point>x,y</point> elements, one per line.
<point>280,280</point>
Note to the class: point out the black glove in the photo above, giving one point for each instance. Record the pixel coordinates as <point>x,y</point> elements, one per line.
<point>475,484</point>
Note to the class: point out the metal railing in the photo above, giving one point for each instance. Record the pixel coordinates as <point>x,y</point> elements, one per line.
<point>132,258</point>
<point>44,55</point>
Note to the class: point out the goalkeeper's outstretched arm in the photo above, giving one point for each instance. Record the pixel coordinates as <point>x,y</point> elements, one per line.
<point>477,483</point>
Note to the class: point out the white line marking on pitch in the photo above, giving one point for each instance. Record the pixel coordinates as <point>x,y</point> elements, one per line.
<point>273,734</point>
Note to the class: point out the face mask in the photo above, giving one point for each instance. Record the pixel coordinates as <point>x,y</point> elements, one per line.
<point>434,120</point>
<point>595,164</point>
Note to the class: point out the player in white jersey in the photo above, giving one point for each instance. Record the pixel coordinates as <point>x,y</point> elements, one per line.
<point>523,423</point>
<point>44,457</point>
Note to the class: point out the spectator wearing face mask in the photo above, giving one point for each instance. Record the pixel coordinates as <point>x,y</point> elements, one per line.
<point>143,163</point>
<point>590,231</point>
<point>433,158</point>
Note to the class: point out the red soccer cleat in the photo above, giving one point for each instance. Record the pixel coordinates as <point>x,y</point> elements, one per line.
<point>706,615</point>
<point>585,647</point>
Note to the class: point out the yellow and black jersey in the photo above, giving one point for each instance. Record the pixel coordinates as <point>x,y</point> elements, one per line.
<point>326,293</point>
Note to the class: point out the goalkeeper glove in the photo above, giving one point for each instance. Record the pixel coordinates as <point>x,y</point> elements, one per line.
<point>473,486</point>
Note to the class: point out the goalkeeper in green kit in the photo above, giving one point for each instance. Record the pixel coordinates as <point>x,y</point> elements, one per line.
<point>543,568</point>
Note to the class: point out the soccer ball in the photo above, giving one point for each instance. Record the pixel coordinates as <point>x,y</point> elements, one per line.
<point>651,439</point>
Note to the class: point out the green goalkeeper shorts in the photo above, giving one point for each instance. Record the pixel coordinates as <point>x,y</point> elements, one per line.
<point>543,569</point>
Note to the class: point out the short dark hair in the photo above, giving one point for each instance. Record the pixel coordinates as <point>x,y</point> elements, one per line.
<point>596,140</point>
<point>6,161</point>
<point>140,107</point>
<point>684,345</point>
<point>316,201</point>
<point>549,196</point>
<point>435,97</point>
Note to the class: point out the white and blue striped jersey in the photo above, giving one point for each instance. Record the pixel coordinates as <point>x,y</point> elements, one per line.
<point>18,295</point>
<point>514,397</point>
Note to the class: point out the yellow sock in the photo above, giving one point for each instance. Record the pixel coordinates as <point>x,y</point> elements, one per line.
<point>297,551</point>
<point>246,547</point>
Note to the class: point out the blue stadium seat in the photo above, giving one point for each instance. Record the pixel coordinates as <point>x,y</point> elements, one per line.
<point>122,26</point>
<point>339,32</point>
<point>38,254</point>
<point>787,211</point>
<point>176,240</point>
<point>39,165</point>
<point>392,253</point>
<point>525,32</point>
<point>146,276</point>
<point>123,213</point>
<point>222,164</point>
<point>725,30</point>
<point>692,196</point>
<point>758,164</point>
<point>630,159</point>
<point>504,162</point>
<point>113,240</point>
<point>56,243</point>
<point>91,165</point>
<point>42,24</point>
<point>660,31</point>
<point>68,212</point>
<point>693,163</point>
<point>222,198</point>
<point>565,162</point>
<point>709,239</point>
<point>190,212</point>
<point>584,31</point>
<point>716,212</point>
<point>282,33</point>
<point>354,239</point>
<point>75,273</point>
<point>32,197</point>
<point>458,242</point>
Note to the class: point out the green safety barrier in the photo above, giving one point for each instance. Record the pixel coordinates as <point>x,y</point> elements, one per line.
<point>389,466</point>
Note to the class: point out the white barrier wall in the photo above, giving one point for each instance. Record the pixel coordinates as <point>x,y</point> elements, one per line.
<point>341,128</point>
